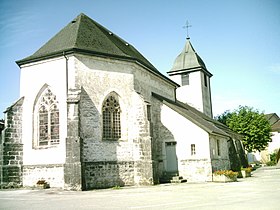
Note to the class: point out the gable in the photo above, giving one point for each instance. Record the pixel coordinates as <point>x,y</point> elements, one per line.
<point>192,115</point>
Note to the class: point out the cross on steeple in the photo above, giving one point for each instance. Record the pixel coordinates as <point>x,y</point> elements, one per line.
<point>187,26</point>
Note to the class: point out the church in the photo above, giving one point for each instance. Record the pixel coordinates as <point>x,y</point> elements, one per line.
<point>95,113</point>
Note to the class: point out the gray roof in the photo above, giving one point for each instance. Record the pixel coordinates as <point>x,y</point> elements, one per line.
<point>200,119</point>
<point>188,60</point>
<point>274,121</point>
<point>84,35</point>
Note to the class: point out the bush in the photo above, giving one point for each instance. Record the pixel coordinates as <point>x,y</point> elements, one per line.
<point>227,173</point>
<point>271,163</point>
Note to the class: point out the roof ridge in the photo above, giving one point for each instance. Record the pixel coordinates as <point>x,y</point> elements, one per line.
<point>78,18</point>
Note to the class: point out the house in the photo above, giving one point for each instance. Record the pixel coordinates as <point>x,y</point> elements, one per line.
<point>273,146</point>
<point>95,113</point>
<point>274,121</point>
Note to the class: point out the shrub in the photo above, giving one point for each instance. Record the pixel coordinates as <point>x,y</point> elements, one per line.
<point>227,173</point>
<point>248,170</point>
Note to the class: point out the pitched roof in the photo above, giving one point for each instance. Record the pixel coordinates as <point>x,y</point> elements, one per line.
<point>200,119</point>
<point>276,126</point>
<point>188,60</point>
<point>84,35</point>
<point>274,121</point>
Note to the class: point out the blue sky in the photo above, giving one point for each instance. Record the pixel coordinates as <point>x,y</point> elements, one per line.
<point>238,40</point>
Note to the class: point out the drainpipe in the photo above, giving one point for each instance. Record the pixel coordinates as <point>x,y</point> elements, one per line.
<point>66,60</point>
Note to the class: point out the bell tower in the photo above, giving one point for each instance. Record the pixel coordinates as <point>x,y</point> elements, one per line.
<point>191,73</point>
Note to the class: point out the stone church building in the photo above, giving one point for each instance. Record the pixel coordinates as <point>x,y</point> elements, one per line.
<point>95,113</point>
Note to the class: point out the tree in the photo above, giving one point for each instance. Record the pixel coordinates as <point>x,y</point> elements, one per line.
<point>250,123</point>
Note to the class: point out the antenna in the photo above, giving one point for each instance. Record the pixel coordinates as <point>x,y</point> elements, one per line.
<point>187,26</point>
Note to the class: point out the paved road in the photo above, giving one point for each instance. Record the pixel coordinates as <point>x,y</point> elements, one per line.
<point>261,191</point>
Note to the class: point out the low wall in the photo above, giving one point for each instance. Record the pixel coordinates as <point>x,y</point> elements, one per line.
<point>52,173</point>
<point>195,170</point>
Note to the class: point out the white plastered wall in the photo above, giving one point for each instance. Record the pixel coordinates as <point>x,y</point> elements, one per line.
<point>185,133</point>
<point>192,93</point>
<point>33,77</point>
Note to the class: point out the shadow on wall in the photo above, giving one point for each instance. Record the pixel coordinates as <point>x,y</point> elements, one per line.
<point>241,153</point>
<point>235,163</point>
<point>100,167</point>
<point>161,137</point>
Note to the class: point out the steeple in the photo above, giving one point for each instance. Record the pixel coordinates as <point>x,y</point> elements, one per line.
<point>188,60</point>
<point>190,71</point>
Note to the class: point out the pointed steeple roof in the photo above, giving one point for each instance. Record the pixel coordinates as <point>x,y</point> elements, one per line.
<point>188,60</point>
<point>84,35</point>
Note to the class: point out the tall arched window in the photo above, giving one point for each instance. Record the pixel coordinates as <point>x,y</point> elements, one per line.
<point>46,113</point>
<point>111,119</point>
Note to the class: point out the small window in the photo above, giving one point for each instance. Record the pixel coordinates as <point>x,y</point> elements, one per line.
<point>185,79</point>
<point>193,149</point>
<point>205,80</point>
<point>149,112</point>
<point>218,148</point>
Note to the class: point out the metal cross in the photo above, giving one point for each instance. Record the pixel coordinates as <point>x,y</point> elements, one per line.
<point>187,26</point>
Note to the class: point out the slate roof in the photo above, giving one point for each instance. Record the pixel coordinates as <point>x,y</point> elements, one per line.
<point>188,60</point>
<point>274,121</point>
<point>200,119</point>
<point>86,36</point>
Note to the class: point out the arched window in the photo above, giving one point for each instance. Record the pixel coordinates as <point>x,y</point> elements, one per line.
<point>111,119</point>
<point>46,113</point>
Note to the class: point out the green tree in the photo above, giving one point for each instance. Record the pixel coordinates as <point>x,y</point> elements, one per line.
<point>251,124</point>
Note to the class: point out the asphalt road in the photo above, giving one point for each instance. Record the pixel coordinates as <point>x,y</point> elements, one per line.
<point>261,191</point>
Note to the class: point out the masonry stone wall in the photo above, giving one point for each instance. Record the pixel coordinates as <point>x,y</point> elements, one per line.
<point>159,133</point>
<point>196,170</point>
<point>219,161</point>
<point>51,173</point>
<point>235,162</point>
<point>12,148</point>
<point>104,174</point>
<point>128,160</point>
<point>73,174</point>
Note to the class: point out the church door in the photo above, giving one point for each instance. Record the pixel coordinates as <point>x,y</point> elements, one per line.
<point>171,157</point>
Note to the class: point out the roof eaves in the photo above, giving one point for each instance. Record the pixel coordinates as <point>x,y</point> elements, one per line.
<point>89,52</point>
<point>190,70</point>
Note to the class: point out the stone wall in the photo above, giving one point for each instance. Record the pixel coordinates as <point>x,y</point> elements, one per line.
<point>235,163</point>
<point>73,167</point>
<point>126,161</point>
<point>219,157</point>
<point>52,173</point>
<point>159,133</point>
<point>104,174</point>
<point>196,170</point>
<point>12,148</point>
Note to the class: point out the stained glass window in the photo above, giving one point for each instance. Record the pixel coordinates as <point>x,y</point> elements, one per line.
<point>48,119</point>
<point>111,119</point>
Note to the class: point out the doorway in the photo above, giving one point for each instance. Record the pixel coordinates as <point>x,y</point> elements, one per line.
<point>171,157</point>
